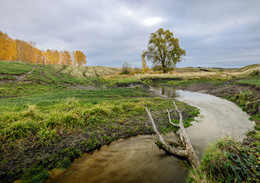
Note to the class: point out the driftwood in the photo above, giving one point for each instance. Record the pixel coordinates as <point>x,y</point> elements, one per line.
<point>189,152</point>
<point>165,146</point>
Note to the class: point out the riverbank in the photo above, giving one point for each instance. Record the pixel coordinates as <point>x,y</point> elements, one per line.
<point>49,131</point>
<point>228,160</point>
<point>141,160</point>
<point>49,117</point>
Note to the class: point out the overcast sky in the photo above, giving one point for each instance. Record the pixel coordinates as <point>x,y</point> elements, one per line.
<point>222,33</point>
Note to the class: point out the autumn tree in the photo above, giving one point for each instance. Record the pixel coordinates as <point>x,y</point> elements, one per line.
<point>7,47</point>
<point>144,63</point>
<point>79,58</point>
<point>39,56</point>
<point>27,52</point>
<point>20,47</point>
<point>56,57</point>
<point>22,51</point>
<point>164,50</point>
<point>65,58</point>
<point>48,56</point>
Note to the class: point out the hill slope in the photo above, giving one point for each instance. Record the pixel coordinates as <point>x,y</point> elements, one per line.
<point>19,79</point>
<point>45,123</point>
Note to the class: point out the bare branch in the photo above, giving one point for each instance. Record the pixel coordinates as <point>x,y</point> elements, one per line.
<point>167,148</point>
<point>170,120</point>
<point>192,157</point>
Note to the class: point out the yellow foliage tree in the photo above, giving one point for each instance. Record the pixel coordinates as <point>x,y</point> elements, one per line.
<point>22,51</point>
<point>65,58</point>
<point>48,57</point>
<point>79,58</point>
<point>56,57</point>
<point>144,63</point>
<point>7,48</point>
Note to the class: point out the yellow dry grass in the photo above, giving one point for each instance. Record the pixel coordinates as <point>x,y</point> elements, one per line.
<point>90,71</point>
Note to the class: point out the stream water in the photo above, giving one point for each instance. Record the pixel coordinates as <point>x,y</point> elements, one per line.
<point>138,159</point>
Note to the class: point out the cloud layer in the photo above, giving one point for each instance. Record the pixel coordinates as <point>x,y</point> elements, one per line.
<point>213,33</point>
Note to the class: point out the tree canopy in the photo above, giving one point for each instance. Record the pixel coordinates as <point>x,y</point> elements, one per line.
<point>22,51</point>
<point>164,50</point>
<point>79,58</point>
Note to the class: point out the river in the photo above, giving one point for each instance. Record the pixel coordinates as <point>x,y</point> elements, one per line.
<point>138,159</point>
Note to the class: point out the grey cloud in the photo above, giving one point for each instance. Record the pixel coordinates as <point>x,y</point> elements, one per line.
<point>214,33</point>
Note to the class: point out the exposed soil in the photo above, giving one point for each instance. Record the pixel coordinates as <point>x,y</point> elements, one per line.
<point>20,78</point>
<point>81,87</point>
<point>133,84</point>
<point>58,73</point>
<point>42,75</point>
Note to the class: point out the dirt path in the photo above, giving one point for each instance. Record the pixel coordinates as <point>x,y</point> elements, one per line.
<point>20,78</point>
<point>41,73</point>
<point>58,73</point>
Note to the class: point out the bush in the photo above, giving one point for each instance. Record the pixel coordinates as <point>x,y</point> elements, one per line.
<point>126,68</point>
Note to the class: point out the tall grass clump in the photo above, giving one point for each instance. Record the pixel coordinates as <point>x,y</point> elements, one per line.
<point>228,161</point>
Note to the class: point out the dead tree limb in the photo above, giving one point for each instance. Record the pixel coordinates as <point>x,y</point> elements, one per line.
<point>192,157</point>
<point>165,146</point>
<point>189,152</point>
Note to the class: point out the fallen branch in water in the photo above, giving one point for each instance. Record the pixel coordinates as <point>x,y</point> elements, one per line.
<point>189,152</point>
<point>164,145</point>
<point>192,157</point>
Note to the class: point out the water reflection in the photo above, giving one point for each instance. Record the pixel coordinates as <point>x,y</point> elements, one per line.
<point>169,92</point>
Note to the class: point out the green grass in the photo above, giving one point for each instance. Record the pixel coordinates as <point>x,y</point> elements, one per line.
<point>14,67</point>
<point>39,116</point>
<point>51,75</point>
<point>228,161</point>
<point>27,89</point>
<point>43,120</point>
<point>253,81</point>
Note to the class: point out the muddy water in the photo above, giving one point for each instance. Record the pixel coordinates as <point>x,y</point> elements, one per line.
<point>218,117</point>
<point>138,159</point>
<point>135,159</point>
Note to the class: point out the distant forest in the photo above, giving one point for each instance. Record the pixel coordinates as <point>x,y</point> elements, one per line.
<point>22,51</point>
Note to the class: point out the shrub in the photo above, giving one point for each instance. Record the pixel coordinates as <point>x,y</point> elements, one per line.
<point>126,68</point>
<point>230,161</point>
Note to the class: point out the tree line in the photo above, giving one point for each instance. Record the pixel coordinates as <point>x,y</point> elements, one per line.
<point>22,51</point>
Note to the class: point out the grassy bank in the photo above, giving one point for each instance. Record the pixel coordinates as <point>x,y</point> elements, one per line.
<point>49,116</point>
<point>228,160</point>
<point>48,131</point>
<point>47,121</point>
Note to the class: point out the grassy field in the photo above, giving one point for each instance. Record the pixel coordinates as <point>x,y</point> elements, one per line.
<point>45,124</point>
<point>49,116</point>
<point>14,67</point>
<point>17,80</point>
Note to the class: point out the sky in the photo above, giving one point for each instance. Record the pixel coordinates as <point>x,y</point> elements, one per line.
<point>214,33</point>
